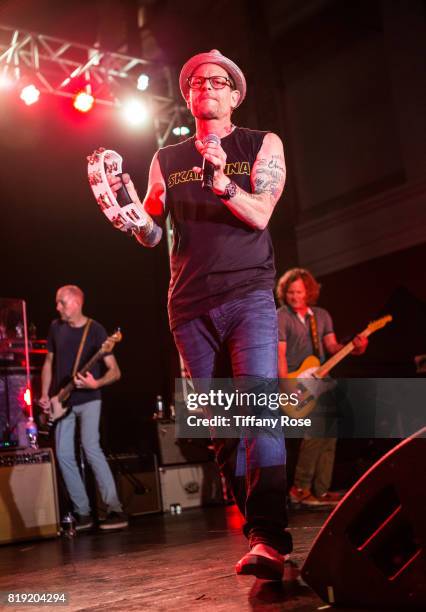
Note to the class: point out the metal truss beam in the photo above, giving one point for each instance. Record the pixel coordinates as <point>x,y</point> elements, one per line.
<point>62,67</point>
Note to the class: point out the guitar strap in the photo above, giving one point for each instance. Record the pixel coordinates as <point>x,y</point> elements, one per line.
<point>80,348</point>
<point>314,336</point>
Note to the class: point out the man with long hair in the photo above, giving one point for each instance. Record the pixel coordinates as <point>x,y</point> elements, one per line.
<point>299,322</point>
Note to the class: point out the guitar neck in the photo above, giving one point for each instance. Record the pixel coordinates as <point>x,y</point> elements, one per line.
<point>65,392</point>
<point>326,367</point>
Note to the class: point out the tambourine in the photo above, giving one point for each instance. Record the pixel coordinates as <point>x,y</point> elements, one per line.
<point>119,208</point>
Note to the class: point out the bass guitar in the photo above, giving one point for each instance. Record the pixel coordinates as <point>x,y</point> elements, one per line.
<point>58,404</point>
<point>314,382</point>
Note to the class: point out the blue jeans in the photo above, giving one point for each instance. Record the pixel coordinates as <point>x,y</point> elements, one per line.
<point>89,416</point>
<point>240,339</point>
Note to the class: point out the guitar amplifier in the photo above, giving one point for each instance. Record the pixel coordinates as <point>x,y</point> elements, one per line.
<point>138,487</point>
<point>191,486</point>
<point>28,496</point>
<point>180,450</point>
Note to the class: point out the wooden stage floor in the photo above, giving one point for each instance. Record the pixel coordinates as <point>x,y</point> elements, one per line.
<point>161,562</point>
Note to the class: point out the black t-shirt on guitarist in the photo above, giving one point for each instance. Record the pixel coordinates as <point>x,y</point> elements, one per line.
<point>64,341</point>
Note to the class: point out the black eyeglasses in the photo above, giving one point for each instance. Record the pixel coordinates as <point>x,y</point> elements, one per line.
<point>217,82</point>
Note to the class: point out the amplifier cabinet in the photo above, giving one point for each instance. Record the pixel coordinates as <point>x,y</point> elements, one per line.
<point>191,485</point>
<point>28,496</point>
<point>180,450</point>
<point>138,487</point>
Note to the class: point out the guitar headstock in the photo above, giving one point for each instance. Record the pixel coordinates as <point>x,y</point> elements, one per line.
<point>379,323</point>
<point>111,341</point>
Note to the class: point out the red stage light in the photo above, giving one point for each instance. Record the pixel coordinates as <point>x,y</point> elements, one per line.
<point>83,102</point>
<point>30,94</point>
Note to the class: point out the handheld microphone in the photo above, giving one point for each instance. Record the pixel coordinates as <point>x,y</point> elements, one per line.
<point>208,167</point>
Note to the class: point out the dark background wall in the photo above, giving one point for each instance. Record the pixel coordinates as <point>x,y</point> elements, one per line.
<point>343,85</point>
<point>53,234</point>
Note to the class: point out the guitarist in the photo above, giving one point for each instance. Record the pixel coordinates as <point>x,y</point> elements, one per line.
<point>304,330</point>
<point>72,341</point>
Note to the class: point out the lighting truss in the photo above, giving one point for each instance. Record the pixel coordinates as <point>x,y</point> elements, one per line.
<point>61,67</point>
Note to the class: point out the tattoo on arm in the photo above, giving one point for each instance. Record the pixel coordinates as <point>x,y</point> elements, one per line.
<point>270,176</point>
<point>150,234</point>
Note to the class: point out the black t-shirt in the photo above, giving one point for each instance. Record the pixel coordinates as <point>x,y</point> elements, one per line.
<point>215,256</point>
<point>64,341</point>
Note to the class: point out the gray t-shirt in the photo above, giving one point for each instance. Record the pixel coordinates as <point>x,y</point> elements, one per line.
<point>297,335</point>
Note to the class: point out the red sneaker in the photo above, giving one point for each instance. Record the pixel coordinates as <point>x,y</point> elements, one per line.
<point>331,497</point>
<point>297,495</point>
<point>314,502</point>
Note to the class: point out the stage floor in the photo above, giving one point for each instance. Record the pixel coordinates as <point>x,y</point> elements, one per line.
<point>161,562</point>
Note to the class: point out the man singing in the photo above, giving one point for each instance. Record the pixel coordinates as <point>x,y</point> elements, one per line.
<point>222,277</point>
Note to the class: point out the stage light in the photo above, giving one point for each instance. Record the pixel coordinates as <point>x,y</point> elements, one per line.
<point>5,82</point>
<point>143,82</point>
<point>83,101</point>
<point>135,112</point>
<point>27,397</point>
<point>30,94</point>
<point>181,131</point>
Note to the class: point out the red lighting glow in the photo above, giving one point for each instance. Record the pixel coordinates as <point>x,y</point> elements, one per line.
<point>30,94</point>
<point>234,519</point>
<point>27,397</point>
<point>83,102</point>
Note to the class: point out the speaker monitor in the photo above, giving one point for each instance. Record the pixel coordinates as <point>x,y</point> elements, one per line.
<point>138,487</point>
<point>28,499</point>
<point>191,485</point>
<point>371,550</point>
